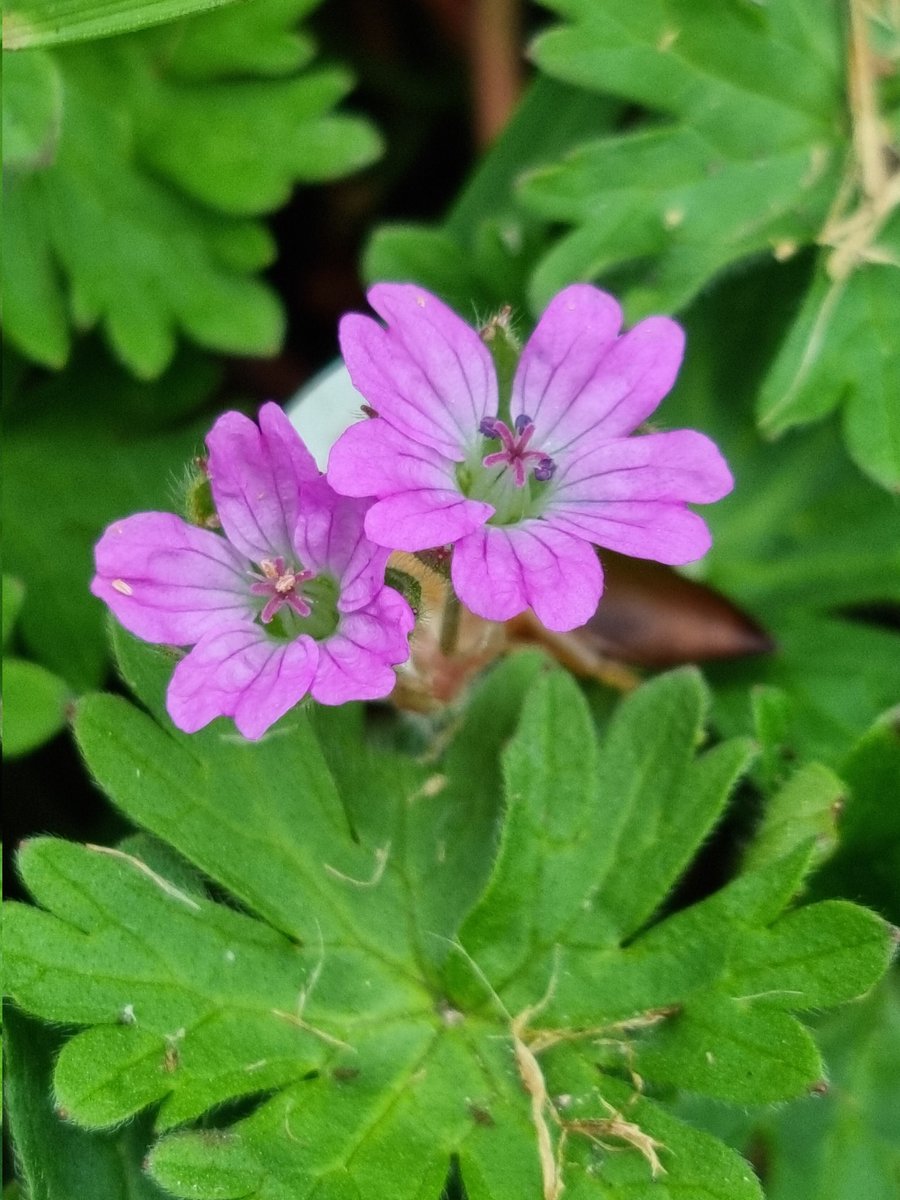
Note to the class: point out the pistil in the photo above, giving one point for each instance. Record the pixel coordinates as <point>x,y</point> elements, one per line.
<point>281,585</point>
<point>515,452</point>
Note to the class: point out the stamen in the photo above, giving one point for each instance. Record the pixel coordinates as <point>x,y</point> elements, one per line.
<point>515,452</point>
<point>280,586</point>
<point>545,469</point>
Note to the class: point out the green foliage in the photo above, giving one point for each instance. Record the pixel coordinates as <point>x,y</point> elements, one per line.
<point>842,349</point>
<point>867,864</point>
<point>806,807</point>
<point>32,110</point>
<point>747,160</point>
<point>13,597</point>
<point>131,201</point>
<point>804,541</point>
<point>845,1145</point>
<point>744,152</point>
<point>34,699</point>
<point>751,158</point>
<point>842,1142</point>
<point>56,1159</point>
<point>483,255</point>
<point>50,22</point>
<point>34,705</point>
<point>397,987</point>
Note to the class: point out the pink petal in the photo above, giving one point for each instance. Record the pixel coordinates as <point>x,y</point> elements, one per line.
<point>238,672</point>
<point>419,520</point>
<point>679,467</point>
<point>579,326</point>
<point>668,533</point>
<point>168,581</point>
<point>372,458</point>
<point>428,373</point>
<point>357,663</point>
<point>330,536</point>
<point>499,571</point>
<point>575,376</point>
<point>255,474</point>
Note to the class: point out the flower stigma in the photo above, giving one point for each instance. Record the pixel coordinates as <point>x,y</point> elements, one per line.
<point>515,452</point>
<point>281,586</point>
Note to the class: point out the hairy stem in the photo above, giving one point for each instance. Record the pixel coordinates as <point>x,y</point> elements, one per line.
<point>450,615</point>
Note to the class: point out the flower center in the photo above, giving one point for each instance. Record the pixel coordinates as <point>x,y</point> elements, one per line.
<point>517,490</point>
<point>280,585</point>
<point>297,601</point>
<point>515,452</point>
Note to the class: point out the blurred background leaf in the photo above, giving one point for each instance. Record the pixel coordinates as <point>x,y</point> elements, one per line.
<point>841,1143</point>
<point>746,161</point>
<point>131,204</point>
<point>50,22</point>
<point>665,145</point>
<point>34,700</point>
<point>805,542</point>
<point>56,1160</point>
<point>842,349</point>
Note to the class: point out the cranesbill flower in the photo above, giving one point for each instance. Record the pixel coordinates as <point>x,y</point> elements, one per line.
<point>525,485</point>
<point>289,599</point>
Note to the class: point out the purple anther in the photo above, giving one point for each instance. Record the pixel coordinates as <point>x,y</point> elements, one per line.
<point>488,427</point>
<point>514,453</point>
<point>545,469</point>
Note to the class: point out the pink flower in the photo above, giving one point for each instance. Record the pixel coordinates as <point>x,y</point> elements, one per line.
<point>291,600</point>
<point>523,485</point>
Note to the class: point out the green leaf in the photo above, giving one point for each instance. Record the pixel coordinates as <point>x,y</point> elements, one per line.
<point>732,1051</point>
<point>34,705</point>
<point>839,673</point>
<point>772,720</point>
<point>450,824</point>
<point>143,224</point>
<point>56,1160</point>
<point>218,47</point>
<point>50,22</point>
<point>867,864</point>
<point>805,542</point>
<point>844,1145</point>
<point>13,596</point>
<point>596,842</point>
<point>32,110</point>
<point>481,257</point>
<point>35,317</point>
<point>366,1058</point>
<point>842,350</point>
<point>746,162</point>
<point>805,808</point>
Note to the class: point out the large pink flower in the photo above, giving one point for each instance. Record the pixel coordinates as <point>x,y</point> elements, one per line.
<point>523,485</point>
<point>290,600</point>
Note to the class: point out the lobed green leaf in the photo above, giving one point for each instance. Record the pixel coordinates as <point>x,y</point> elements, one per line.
<point>376,1027</point>
<point>140,223</point>
<point>51,22</point>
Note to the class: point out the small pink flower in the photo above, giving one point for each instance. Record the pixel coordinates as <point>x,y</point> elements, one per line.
<point>290,600</point>
<point>524,486</point>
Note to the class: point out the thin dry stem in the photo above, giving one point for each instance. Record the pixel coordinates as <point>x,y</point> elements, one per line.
<point>851,235</point>
<point>169,888</point>
<point>382,854</point>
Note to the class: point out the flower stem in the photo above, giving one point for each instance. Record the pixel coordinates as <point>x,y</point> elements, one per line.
<point>450,615</point>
